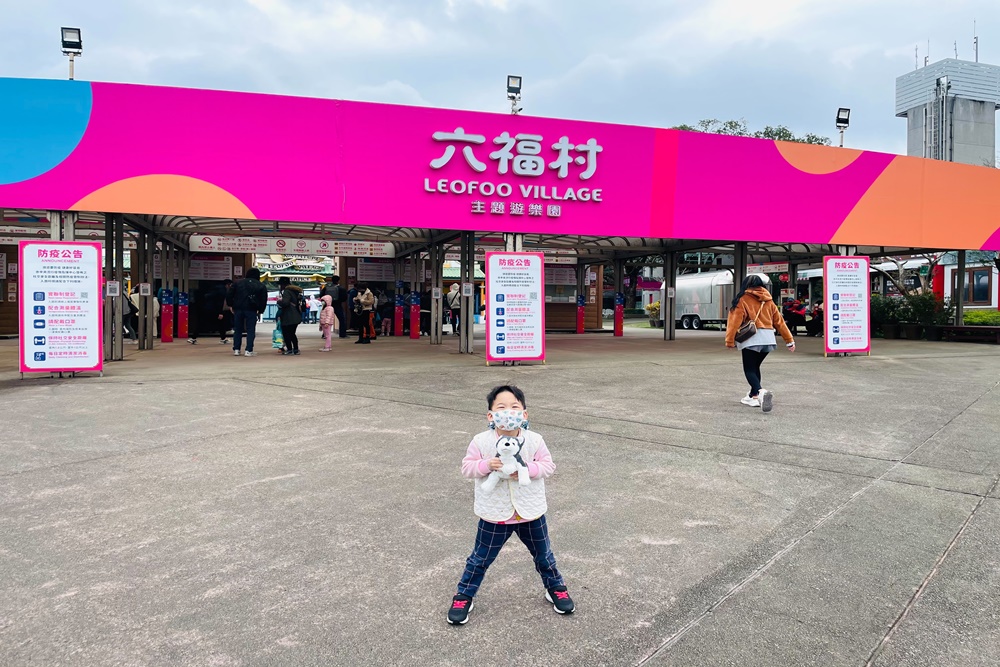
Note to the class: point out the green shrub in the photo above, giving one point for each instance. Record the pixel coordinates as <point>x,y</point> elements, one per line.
<point>885,310</point>
<point>634,311</point>
<point>989,318</point>
<point>926,309</point>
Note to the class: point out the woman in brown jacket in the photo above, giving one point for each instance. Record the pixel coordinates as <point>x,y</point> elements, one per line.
<point>754,304</point>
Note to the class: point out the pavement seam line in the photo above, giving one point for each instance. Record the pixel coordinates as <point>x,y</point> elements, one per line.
<point>757,573</point>
<point>880,647</point>
<point>658,443</point>
<point>749,579</point>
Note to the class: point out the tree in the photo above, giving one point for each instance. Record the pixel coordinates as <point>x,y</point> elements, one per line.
<point>739,128</point>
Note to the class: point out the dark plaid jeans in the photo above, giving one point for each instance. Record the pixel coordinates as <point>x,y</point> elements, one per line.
<point>490,538</point>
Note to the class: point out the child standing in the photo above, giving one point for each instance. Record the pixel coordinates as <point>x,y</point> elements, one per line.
<point>326,319</point>
<point>510,507</point>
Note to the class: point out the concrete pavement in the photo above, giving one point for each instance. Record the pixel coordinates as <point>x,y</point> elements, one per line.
<point>193,508</point>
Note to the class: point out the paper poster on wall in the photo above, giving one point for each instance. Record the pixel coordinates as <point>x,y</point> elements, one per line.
<point>60,312</point>
<point>237,271</point>
<point>515,306</point>
<point>846,304</point>
<point>12,269</point>
<point>3,264</point>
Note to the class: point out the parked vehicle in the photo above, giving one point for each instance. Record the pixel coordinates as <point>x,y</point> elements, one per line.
<point>702,298</point>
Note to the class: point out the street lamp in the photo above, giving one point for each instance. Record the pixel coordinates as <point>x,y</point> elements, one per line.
<point>72,46</point>
<point>843,121</point>
<point>514,93</point>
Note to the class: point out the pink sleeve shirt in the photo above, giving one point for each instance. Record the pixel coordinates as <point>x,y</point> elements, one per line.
<point>475,466</point>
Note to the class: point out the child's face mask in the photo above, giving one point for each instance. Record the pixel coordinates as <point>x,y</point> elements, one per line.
<point>508,420</point>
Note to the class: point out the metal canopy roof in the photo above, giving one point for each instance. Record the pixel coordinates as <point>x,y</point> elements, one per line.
<point>406,240</point>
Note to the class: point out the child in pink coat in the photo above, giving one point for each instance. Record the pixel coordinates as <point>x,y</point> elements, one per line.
<point>327,317</point>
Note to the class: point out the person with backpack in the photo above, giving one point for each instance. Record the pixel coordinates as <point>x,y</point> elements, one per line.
<point>248,301</point>
<point>290,313</point>
<point>334,290</point>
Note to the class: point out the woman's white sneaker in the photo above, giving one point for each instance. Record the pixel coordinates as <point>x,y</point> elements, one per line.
<point>752,402</point>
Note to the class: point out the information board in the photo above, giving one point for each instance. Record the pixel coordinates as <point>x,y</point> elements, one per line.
<point>515,306</point>
<point>846,305</point>
<point>60,310</point>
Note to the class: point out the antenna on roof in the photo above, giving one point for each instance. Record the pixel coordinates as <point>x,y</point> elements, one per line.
<point>975,40</point>
<point>956,49</point>
<point>916,58</point>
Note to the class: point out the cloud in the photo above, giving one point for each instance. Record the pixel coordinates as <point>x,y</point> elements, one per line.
<point>790,62</point>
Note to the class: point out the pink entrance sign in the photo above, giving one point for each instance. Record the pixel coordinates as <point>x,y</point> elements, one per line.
<point>61,307</point>
<point>515,306</point>
<point>79,146</point>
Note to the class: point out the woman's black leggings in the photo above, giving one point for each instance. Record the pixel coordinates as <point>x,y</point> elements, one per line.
<point>751,368</point>
<point>291,339</point>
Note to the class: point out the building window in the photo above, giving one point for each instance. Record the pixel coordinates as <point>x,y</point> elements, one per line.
<point>978,286</point>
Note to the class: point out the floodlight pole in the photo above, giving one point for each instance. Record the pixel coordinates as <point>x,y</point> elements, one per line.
<point>841,137</point>
<point>72,59</point>
<point>514,99</point>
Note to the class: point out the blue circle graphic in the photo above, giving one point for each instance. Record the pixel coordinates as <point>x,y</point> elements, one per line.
<point>41,123</point>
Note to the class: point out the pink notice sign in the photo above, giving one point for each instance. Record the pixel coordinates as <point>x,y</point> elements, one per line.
<point>846,305</point>
<point>60,314</point>
<point>515,306</point>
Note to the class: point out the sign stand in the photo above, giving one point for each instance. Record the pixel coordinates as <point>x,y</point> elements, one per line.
<point>515,307</point>
<point>846,306</point>
<point>60,310</point>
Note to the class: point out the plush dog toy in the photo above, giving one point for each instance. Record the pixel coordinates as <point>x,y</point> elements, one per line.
<point>509,451</point>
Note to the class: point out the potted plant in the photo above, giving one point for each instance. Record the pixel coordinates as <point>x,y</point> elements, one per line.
<point>891,317</point>
<point>916,311</point>
<point>653,310</point>
<point>938,317</point>
<point>877,314</point>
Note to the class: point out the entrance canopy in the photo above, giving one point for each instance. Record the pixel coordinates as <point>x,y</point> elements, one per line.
<point>385,171</point>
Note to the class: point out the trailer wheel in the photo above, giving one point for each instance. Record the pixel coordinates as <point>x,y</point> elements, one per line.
<point>686,322</point>
<point>695,322</point>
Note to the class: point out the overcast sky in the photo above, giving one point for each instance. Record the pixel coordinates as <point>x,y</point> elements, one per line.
<point>647,62</point>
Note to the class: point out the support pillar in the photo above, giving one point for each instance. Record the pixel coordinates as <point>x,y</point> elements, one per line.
<point>513,242</point>
<point>668,305</point>
<point>149,302</point>
<point>55,225</point>
<point>619,298</point>
<point>581,297</point>
<point>436,253</point>
<point>139,276</point>
<point>739,264</point>
<point>467,273</point>
<point>70,218</point>
<point>119,303</point>
<point>109,275</point>
<point>959,296</point>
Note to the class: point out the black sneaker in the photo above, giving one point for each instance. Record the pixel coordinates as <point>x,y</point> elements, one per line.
<point>560,599</point>
<point>461,605</point>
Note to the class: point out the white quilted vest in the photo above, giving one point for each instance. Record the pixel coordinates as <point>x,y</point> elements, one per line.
<point>509,495</point>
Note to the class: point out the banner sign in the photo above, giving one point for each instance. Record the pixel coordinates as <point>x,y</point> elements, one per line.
<point>322,161</point>
<point>846,304</point>
<point>264,245</point>
<point>515,306</point>
<point>61,318</point>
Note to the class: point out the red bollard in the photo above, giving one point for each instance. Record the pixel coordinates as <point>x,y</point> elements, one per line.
<point>581,314</point>
<point>619,314</point>
<point>415,318</point>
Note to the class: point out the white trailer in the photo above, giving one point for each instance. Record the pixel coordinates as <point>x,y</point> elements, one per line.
<point>702,298</point>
